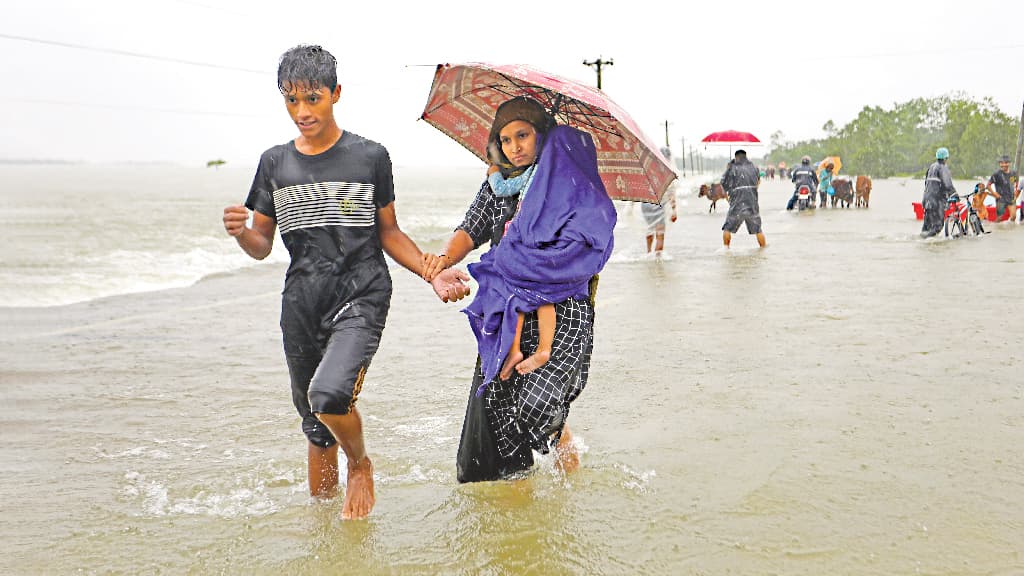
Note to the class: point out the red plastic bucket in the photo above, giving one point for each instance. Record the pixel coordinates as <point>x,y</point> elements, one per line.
<point>919,210</point>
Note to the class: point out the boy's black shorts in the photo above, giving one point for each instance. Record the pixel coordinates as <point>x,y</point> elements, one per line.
<point>330,384</point>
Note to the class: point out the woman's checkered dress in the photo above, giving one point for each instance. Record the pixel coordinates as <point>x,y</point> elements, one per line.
<point>527,409</point>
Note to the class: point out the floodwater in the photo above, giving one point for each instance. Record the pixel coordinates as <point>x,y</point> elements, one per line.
<point>846,401</point>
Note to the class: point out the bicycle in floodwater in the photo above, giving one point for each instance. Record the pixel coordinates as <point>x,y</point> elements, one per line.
<point>961,217</point>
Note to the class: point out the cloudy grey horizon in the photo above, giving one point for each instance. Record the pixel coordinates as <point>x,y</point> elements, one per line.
<point>186,82</point>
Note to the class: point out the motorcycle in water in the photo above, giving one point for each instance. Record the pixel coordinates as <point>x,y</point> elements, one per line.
<point>803,197</point>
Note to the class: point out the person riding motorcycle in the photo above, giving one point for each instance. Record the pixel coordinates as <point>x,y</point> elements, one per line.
<point>803,175</point>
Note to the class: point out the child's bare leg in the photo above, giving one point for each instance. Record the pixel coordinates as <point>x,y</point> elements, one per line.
<point>546,328</point>
<point>515,354</point>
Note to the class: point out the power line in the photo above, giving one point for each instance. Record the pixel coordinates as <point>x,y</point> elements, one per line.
<point>136,108</point>
<point>130,53</point>
<point>212,7</point>
<point>922,52</point>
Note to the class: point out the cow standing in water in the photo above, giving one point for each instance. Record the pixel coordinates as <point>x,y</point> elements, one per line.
<point>842,192</point>
<point>714,193</point>
<point>863,190</point>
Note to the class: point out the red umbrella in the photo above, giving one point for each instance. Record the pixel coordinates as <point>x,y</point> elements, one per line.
<point>730,137</point>
<point>464,97</point>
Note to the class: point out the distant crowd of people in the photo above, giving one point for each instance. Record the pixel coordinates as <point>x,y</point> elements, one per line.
<point>742,178</point>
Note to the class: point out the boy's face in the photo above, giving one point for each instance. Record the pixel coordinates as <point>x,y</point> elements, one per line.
<point>311,110</point>
<point>519,142</point>
<point>1004,166</point>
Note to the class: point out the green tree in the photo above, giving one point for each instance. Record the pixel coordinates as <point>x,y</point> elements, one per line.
<point>902,140</point>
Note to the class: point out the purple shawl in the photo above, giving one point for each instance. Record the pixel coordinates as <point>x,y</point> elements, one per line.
<point>561,237</point>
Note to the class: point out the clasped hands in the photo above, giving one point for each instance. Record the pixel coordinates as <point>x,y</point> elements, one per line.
<point>448,283</point>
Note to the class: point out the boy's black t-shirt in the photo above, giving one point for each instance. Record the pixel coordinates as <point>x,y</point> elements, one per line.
<point>326,206</point>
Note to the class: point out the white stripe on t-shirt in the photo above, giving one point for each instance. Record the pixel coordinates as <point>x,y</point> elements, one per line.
<point>324,204</point>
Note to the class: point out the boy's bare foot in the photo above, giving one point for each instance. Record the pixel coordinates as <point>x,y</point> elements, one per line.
<point>536,360</point>
<point>568,458</point>
<point>514,357</point>
<point>359,497</point>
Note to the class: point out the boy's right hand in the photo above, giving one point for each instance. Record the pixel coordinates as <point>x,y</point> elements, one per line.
<point>492,168</point>
<point>234,219</point>
<point>433,264</point>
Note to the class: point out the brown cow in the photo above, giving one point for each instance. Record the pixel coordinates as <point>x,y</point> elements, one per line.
<point>843,192</point>
<point>714,192</point>
<point>863,188</point>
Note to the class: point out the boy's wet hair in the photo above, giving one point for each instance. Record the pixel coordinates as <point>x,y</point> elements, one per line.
<point>309,66</point>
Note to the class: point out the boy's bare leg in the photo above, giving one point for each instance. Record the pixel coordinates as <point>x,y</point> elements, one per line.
<point>348,429</point>
<point>546,327</point>
<point>760,240</point>
<point>660,243</point>
<point>726,238</point>
<point>568,458</point>
<point>515,354</point>
<point>650,240</point>
<point>323,471</point>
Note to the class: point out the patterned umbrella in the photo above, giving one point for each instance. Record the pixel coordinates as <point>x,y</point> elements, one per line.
<point>464,97</point>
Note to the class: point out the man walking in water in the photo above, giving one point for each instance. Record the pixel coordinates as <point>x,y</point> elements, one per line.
<point>740,181</point>
<point>655,216</point>
<point>938,185</point>
<point>1003,184</point>
<point>331,192</point>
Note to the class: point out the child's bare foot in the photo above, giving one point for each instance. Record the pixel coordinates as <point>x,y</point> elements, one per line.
<point>514,357</point>
<point>568,458</point>
<point>536,360</point>
<point>359,497</point>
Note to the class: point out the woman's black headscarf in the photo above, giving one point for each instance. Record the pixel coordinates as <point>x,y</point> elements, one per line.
<point>518,108</point>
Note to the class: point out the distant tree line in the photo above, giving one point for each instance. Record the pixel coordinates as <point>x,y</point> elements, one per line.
<point>902,141</point>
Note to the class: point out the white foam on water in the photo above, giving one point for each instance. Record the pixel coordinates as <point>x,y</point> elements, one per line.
<point>121,271</point>
<point>631,257</point>
<point>636,480</point>
<point>156,499</point>
<point>416,474</point>
<point>428,428</point>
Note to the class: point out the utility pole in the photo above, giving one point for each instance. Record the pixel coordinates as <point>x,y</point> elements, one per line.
<point>682,147</point>
<point>691,160</point>
<point>597,64</point>
<point>666,135</point>
<point>1020,142</point>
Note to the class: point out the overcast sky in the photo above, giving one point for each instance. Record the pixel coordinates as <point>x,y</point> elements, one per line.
<point>188,81</point>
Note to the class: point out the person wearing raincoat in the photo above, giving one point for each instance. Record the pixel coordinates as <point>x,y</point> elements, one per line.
<point>938,185</point>
<point>825,184</point>
<point>803,175</point>
<point>740,181</point>
<point>656,217</point>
